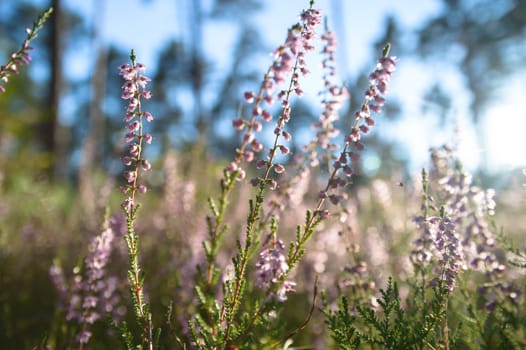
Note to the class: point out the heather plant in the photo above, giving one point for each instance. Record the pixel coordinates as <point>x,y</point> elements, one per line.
<point>274,264</point>
<point>90,294</point>
<point>414,265</point>
<point>461,294</point>
<point>22,57</point>
<point>134,91</point>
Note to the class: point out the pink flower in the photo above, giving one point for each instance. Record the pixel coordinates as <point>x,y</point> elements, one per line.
<point>266,115</point>
<point>128,204</point>
<point>133,90</point>
<point>127,160</point>
<point>256,146</point>
<point>129,137</point>
<point>130,175</point>
<point>284,150</point>
<point>249,96</point>
<point>232,167</point>
<point>238,124</point>
<point>134,149</point>
<point>146,165</point>
<point>261,163</point>
<point>146,94</point>
<point>134,126</point>
<point>148,138</point>
<point>148,116</point>
<point>142,80</point>
<point>22,57</point>
<point>279,168</point>
<point>249,156</point>
<point>257,126</point>
<point>271,268</point>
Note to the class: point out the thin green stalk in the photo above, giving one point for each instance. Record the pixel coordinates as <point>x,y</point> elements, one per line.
<point>133,90</point>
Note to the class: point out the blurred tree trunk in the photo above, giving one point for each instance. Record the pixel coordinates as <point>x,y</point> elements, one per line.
<point>54,137</point>
<point>98,87</point>
<point>196,34</point>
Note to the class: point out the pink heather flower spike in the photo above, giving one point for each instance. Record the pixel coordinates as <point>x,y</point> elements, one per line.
<point>134,90</point>
<point>288,64</point>
<point>350,152</point>
<point>92,294</point>
<point>22,57</point>
<point>271,267</point>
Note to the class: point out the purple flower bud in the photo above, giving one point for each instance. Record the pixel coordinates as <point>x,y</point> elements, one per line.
<point>238,124</point>
<point>261,163</point>
<point>146,165</point>
<point>279,168</point>
<point>248,137</point>
<point>364,129</point>
<point>284,149</point>
<point>249,156</point>
<point>130,175</point>
<point>256,146</point>
<point>257,126</point>
<point>128,204</point>
<point>134,149</point>
<point>232,167</point>
<point>249,96</point>
<point>148,116</point>
<point>148,138</point>
<point>266,116</point>
<point>133,126</point>
<point>129,137</point>
<point>141,67</point>
<point>127,160</point>
<point>241,175</point>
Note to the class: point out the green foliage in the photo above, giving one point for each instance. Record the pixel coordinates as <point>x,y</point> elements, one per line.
<point>341,325</point>
<point>389,326</point>
<point>190,261</point>
<point>393,330</point>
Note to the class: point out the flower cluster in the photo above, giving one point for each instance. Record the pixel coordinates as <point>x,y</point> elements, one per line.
<point>289,59</point>
<point>468,207</point>
<point>422,253</point>
<point>363,121</point>
<point>133,90</point>
<point>91,292</point>
<point>374,100</point>
<point>449,248</point>
<point>333,98</point>
<point>19,58</point>
<point>22,57</point>
<point>440,241</point>
<point>271,268</point>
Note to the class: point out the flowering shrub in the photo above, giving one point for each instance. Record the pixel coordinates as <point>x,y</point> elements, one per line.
<point>22,56</point>
<point>287,251</point>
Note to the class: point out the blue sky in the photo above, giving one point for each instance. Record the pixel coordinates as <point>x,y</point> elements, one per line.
<point>148,25</point>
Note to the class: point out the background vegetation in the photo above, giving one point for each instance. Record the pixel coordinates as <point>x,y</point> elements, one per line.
<point>60,178</point>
